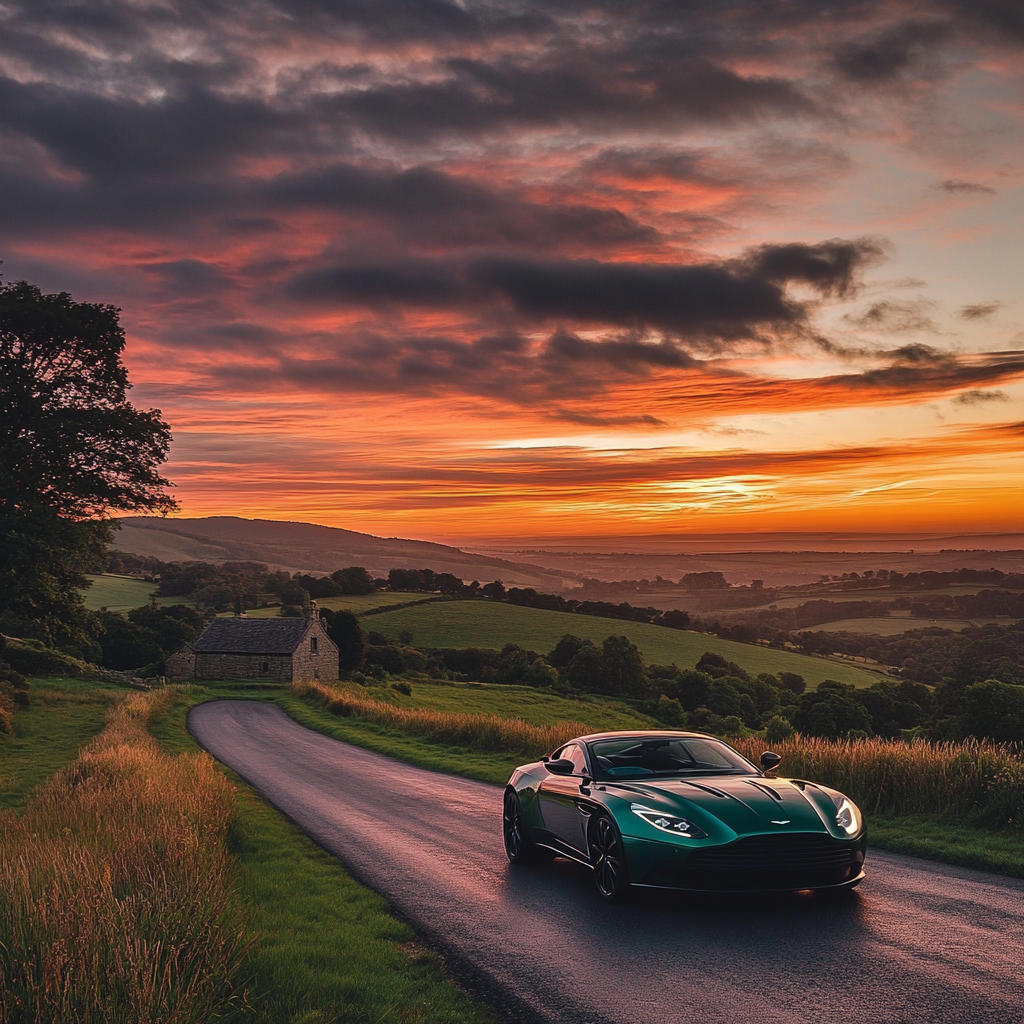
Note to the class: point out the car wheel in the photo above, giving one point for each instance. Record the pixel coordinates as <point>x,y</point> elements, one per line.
<point>608,859</point>
<point>517,846</point>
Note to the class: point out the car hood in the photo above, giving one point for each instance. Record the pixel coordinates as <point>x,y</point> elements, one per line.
<point>741,805</point>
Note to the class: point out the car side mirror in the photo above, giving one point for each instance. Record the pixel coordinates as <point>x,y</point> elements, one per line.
<point>563,766</point>
<point>770,760</point>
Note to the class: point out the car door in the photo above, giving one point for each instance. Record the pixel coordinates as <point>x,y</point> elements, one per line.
<point>562,803</point>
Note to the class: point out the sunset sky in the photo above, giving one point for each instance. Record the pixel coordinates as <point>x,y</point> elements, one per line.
<point>466,270</point>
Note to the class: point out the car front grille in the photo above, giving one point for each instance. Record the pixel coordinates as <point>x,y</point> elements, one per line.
<point>788,861</point>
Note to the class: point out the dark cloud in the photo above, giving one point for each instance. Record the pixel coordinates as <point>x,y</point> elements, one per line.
<point>958,185</point>
<point>550,376</point>
<point>581,87</point>
<point>251,225</point>
<point>640,164</point>
<point>921,368</point>
<point>892,317</point>
<point>424,204</point>
<point>422,283</point>
<point>922,355</point>
<point>396,20</point>
<point>1003,18</point>
<point>725,301</point>
<point>711,299</point>
<point>978,397</point>
<point>979,311</point>
<point>187,278</point>
<point>115,139</point>
<point>831,268</point>
<point>887,56</point>
<point>560,377</point>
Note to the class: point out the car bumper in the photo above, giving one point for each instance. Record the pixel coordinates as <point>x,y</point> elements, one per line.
<point>773,863</point>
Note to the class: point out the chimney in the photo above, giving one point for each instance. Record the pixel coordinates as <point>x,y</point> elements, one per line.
<point>312,613</point>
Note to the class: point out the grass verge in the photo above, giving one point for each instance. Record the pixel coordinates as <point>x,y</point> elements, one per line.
<point>116,885</point>
<point>63,717</point>
<point>141,883</point>
<point>325,949</point>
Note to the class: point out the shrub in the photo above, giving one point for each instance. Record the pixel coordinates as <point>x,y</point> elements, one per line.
<point>669,712</point>
<point>402,687</point>
<point>777,729</point>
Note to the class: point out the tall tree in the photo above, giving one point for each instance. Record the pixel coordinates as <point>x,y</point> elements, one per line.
<point>73,450</point>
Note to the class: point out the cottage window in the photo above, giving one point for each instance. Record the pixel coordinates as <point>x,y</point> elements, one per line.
<point>312,645</point>
<point>265,667</point>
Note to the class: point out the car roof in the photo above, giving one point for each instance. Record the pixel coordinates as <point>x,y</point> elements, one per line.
<point>625,734</point>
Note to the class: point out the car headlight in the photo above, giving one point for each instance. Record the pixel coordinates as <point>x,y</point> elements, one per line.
<point>669,822</point>
<point>847,815</point>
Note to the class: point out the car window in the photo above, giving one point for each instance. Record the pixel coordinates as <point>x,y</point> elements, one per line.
<point>574,753</point>
<point>639,756</point>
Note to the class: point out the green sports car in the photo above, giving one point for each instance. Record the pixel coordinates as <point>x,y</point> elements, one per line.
<point>681,810</point>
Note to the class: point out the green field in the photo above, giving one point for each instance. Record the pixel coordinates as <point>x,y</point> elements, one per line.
<point>117,593</point>
<point>123,593</point>
<point>492,625</point>
<point>525,702</point>
<point>893,625</point>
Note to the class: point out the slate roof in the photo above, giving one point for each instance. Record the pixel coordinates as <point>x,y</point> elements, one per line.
<point>251,636</point>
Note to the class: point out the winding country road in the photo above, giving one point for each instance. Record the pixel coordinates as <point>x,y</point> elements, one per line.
<point>919,942</point>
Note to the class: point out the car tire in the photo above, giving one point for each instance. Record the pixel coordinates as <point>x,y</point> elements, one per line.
<point>608,859</point>
<point>518,847</point>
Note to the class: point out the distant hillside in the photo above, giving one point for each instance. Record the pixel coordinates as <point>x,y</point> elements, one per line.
<point>308,548</point>
<point>786,566</point>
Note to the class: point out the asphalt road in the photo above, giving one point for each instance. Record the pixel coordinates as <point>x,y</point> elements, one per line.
<point>919,942</point>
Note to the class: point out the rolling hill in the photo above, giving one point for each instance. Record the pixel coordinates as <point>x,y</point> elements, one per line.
<point>492,625</point>
<point>305,547</point>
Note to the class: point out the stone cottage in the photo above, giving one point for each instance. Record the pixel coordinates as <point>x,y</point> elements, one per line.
<point>283,650</point>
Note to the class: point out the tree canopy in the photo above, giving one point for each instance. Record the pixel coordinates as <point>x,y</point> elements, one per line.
<point>73,450</point>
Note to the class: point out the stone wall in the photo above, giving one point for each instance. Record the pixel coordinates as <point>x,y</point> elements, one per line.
<point>322,664</point>
<point>276,667</point>
<point>181,664</point>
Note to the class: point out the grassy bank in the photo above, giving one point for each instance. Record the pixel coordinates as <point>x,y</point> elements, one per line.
<point>64,716</point>
<point>138,858</point>
<point>492,625</point>
<point>116,878</point>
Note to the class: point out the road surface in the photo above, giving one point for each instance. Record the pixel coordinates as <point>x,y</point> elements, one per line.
<point>919,942</point>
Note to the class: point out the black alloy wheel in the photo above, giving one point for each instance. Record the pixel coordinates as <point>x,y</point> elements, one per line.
<point>608,860</point>
<point>518,848</point>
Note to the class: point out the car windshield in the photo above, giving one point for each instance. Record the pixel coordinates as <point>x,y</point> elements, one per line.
<point>634,757</point>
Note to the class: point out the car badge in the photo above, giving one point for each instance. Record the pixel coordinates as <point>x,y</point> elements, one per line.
<point>786,822</point>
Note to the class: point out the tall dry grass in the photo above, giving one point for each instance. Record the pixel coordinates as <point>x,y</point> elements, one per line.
<point>980,782</point>
<point>115,885</point>
<point>478,732</point>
